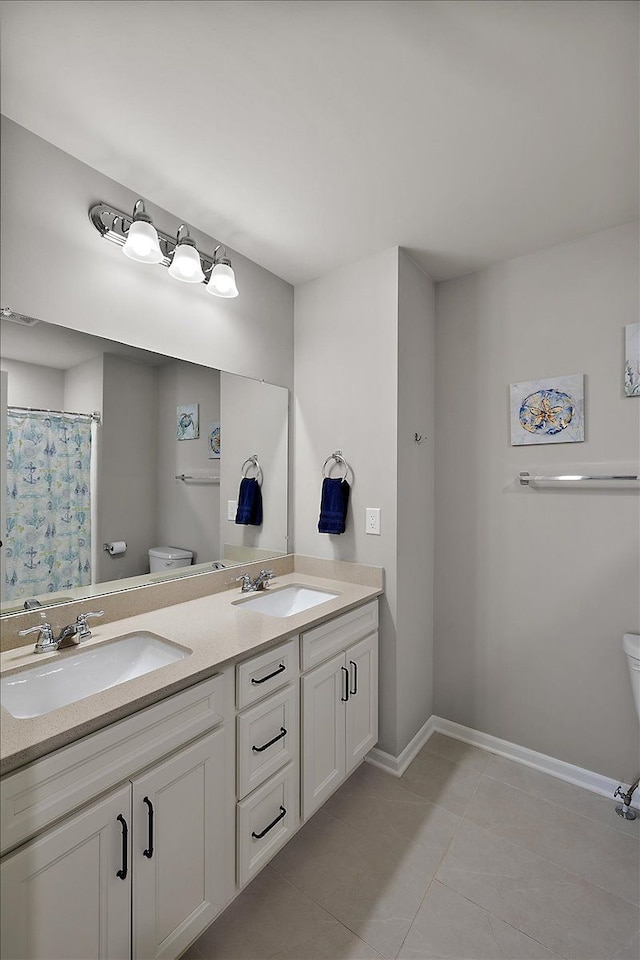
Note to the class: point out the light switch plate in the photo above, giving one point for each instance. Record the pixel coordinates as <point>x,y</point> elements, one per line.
<point>232,509</point>
<point>372,520</point>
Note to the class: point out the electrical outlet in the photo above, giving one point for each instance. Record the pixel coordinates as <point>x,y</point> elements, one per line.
<point>232,509</point>
<point>372,520</point>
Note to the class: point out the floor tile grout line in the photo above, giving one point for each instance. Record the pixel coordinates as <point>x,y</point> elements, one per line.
<point>444,853</point>
<point>430,884</point>
<point>555,803</point>
<point>327,911</point>
<point>500,919</point>
<point>558,866</point>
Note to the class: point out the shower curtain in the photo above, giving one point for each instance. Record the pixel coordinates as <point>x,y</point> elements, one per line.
<point>48,506</point>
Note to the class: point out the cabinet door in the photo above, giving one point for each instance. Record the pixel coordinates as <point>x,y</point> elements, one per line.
<point>178,818</point>
<point>323,724</point>
<point>362,707</point>
<point>62,898</point>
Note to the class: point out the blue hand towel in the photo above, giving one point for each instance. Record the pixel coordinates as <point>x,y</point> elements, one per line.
<point>249,502</point>
<point>333,506</point>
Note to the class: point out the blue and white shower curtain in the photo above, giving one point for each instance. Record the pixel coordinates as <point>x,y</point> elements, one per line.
<point>48,503</point>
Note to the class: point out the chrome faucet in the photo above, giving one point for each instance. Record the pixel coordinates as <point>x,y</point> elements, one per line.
<point>261,582</point>
<point>69,636</point>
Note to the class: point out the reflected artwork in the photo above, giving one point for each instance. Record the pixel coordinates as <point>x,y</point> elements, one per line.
<point>187,422</point>
<point>632,360</point>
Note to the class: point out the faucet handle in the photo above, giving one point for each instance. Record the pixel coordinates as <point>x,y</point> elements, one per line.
<point>44,629</point>
<point>81,622</point>
<point>46,640</point>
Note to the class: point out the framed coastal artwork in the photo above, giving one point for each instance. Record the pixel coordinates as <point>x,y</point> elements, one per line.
<point>632,360</point>
<point>213,434</point>
<point>547,411</point>
<point>187,422</point>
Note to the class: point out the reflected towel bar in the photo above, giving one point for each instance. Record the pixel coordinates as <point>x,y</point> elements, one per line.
<point>525,478</point>
<point>187,476</point>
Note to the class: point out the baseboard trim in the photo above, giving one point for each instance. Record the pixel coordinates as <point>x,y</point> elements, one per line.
<point>398,765</point>
<point>595,782</point>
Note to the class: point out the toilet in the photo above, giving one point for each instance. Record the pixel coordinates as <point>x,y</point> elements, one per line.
<point>168,558</point>
<point>631,645</point>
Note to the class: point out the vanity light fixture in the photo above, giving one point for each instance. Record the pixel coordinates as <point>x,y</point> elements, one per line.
<point>222,282</point>
<point>185,264</point>
<point>143,242</point>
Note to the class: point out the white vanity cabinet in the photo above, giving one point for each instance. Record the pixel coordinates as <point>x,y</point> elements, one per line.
<point>129,842</point>
<point>268,779</point>
<point>138,873</point>
<point>177,849</point>
<point>62,896</point>
<point>339,702</point>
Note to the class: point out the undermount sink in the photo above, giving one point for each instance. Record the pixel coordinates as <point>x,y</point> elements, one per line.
<point>286,601</point>
<point>67,677</point>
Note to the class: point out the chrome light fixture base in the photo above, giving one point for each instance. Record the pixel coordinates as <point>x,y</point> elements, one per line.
<point>114,225</point>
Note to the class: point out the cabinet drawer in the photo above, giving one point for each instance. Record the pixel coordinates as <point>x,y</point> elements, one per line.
<point>46,790</point>
<point>266,820</point>
<point>261,675</point>
<point>335,635</point>
<point>267,738</point>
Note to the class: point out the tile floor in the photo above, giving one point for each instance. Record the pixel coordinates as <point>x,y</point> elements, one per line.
<point>467,856</point>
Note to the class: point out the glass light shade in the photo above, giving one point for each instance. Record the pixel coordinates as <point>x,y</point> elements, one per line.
<point>186,264</point>
<point>222,282</point>
<point>142,243</point>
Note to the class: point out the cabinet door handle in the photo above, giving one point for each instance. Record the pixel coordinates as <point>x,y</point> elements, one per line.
<point>149,851</point>
<point>353,664</point>
<point>346,684</point>
<point>263,833</point>
<point>270,675</point>
<point>125,844</point>
<point>265,746</point>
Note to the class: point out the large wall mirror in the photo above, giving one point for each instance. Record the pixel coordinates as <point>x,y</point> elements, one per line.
<point>107,444</point>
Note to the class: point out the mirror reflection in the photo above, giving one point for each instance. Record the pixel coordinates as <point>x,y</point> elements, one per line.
<point>122,466</point>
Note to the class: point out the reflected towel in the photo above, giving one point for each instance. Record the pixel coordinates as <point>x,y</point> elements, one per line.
<point>249,502</point>
<point>333,506</point>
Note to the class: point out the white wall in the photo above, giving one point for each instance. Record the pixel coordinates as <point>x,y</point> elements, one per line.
<point>254,419</point>
<point>128,475</point>
<point>346,398</point>
<point>83,386</point>
<point>34,385</point>
<point>534,589</point>
<point>55,266</point>
<point>188,513</point>
<point>416,481</point>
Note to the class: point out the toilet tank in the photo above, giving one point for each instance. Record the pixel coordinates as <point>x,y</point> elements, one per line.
<point>168,558</point>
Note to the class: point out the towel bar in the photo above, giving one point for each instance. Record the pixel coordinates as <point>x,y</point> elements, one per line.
<point>337,457</point>
<point>252,461</point>
<point>187,476</point>
<point>525,478</point>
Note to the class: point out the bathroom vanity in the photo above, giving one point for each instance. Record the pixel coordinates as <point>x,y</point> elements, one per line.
<point>132,817</point>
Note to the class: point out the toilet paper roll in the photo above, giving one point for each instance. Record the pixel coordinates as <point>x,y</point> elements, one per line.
<point>118,546</point>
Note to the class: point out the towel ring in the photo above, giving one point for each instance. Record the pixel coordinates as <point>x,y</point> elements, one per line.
<point>337,458</point>
<point>250,462</point>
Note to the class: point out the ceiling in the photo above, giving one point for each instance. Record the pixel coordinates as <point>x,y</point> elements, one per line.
<point>49,345</point>
<point>306,134</point>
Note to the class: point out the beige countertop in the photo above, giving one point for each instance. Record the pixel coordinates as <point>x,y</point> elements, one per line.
<point>216,630</point>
